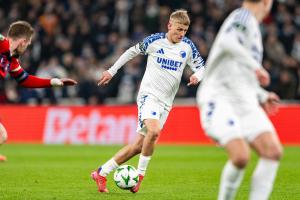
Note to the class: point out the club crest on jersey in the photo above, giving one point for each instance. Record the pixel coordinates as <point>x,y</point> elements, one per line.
<point>183,54</point>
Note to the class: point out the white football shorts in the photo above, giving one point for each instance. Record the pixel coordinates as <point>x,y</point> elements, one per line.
<point>223,122</point>
<point>150,107</point>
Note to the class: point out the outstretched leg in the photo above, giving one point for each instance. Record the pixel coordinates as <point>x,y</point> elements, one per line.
<point>152,135</point>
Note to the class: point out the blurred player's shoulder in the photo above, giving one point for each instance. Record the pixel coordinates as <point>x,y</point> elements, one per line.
<point>1,37</point>
<point>4,45</point>
<point>241,15</point>
<point>241,18</point>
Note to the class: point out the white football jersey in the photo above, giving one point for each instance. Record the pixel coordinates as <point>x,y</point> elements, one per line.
<point>165,64</point>
<point>236,53</point>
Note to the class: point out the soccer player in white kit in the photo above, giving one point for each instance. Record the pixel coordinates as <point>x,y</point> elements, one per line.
<point>168,54</point>
<point>232,101</point>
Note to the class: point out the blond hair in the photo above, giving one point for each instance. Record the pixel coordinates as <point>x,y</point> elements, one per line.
<point>20,29</point>
<point>181,16</point>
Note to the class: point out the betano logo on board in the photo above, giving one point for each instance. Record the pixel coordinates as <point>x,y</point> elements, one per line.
<point>63,126</point>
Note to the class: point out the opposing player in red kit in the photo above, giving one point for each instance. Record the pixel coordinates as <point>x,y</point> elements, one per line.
<point>11,47</point>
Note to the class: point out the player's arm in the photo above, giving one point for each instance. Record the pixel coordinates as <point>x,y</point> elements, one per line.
<point>140,48</point>
<point>30,81</point>
<point>196,63</point>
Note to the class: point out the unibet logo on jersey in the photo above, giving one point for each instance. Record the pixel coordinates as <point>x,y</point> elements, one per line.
<point>167,63</point>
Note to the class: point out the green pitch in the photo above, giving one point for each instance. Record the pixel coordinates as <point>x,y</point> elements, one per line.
<point>175,172</point>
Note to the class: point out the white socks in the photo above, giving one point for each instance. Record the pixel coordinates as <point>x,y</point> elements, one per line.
<point>108,167</point>
<point>230,181</point>
<point>263,178</point>
<point>143,163</point>
<point>111,165</point>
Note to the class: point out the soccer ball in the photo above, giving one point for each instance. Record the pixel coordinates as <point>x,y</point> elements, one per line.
<point>126,177</point>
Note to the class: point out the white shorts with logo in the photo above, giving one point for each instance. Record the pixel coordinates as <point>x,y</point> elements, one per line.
<point>150,107</point>
<point>223,122</point>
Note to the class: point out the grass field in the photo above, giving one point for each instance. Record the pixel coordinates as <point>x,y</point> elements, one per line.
<point>175,172</point>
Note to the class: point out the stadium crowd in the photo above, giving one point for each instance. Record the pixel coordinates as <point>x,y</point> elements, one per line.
<point>80,39</point>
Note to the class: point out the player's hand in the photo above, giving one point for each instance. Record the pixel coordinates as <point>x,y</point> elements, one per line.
<point>263,77</point>
<point>58,82</point>
<point>68,81</point>
<point>272,104</point>
<point>193,80</point>
<point>104,80</point>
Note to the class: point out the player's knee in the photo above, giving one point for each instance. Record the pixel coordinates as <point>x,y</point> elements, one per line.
<point>137,148</point>
<point>153,133</point>
<point>275,152</point>
<point>154,136</point>
<point>240,161</point>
